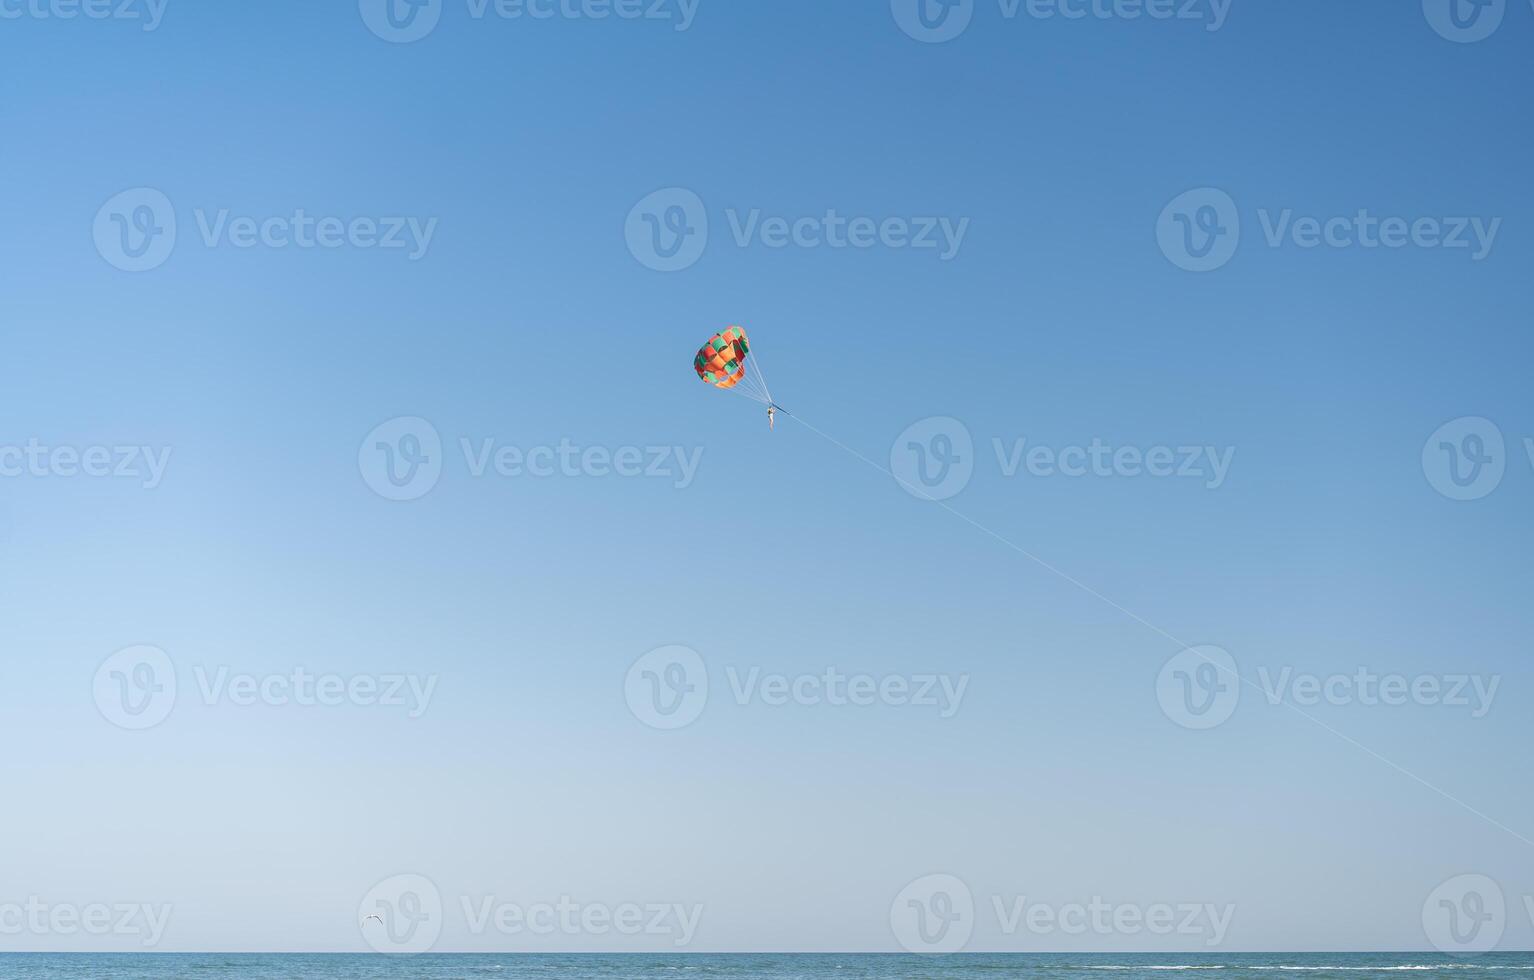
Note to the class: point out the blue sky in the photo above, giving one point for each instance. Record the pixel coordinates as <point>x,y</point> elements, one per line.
<point>525,143</point>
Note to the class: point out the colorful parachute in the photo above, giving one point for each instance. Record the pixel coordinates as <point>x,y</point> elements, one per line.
<point>726,362</point>
<point>722,361</point>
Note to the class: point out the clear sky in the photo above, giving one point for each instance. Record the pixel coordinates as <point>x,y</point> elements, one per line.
<point>1059,310</point>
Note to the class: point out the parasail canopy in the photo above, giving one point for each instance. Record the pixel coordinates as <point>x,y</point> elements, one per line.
<point>726,362</point>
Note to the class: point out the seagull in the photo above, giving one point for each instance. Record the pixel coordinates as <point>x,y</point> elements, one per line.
<point>373,916</point>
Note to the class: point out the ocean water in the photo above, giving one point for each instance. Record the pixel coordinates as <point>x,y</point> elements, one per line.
<point>750,966</point>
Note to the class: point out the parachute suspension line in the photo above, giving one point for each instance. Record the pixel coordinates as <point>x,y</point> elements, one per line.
<point>747,388</point>
<point>754,363</point>
<point>745,392</point>
<point>752,384</point>
<point>759,380</point>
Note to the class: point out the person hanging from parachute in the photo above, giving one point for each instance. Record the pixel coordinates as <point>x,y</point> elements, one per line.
<point>726,362</point>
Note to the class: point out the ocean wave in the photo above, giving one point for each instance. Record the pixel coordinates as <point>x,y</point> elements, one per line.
<point>1305,969</point>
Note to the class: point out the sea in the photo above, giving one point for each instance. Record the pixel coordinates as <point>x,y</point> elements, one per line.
<point>753,966</point>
